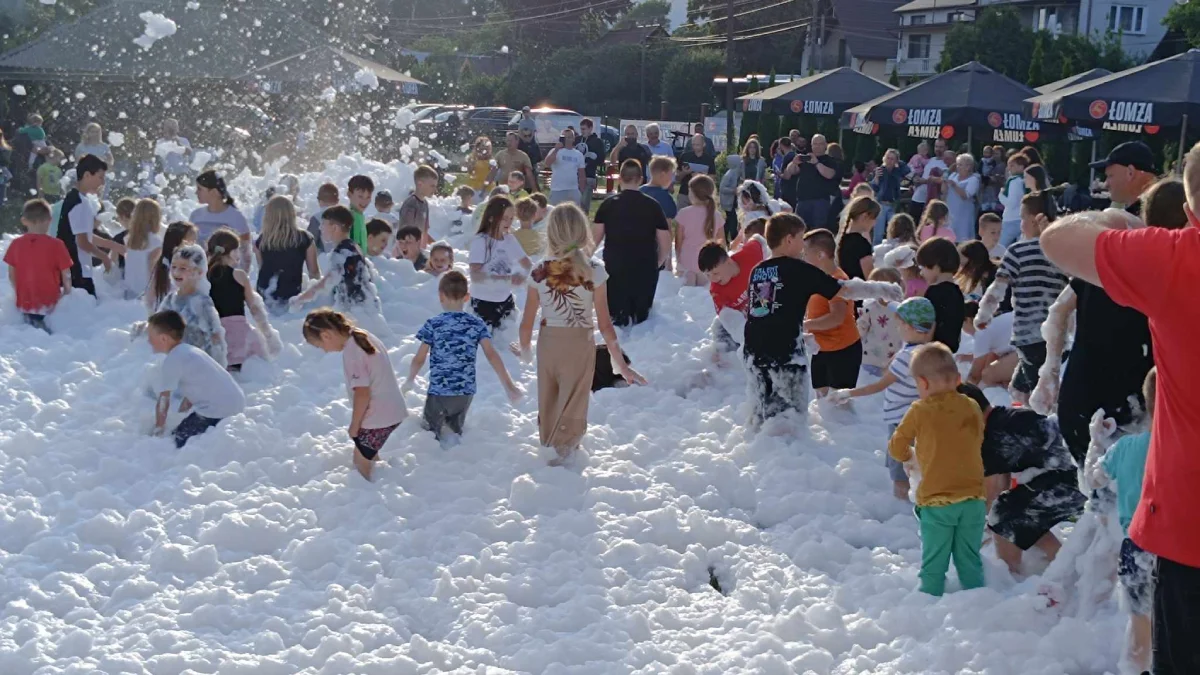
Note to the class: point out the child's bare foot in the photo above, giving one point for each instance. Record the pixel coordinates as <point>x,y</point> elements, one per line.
<point>363,464</point>
<point>563,456</point>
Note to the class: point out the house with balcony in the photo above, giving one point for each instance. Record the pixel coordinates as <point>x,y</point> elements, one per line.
<point>922,31</point>
<point>1139,22</point>
<point>854,34</point>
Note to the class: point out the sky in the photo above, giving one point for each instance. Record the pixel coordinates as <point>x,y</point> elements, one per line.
<point>678,13</point>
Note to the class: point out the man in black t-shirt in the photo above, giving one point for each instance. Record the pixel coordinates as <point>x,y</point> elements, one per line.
<point>814,173</point>
<point>527,143</point>
<point>592,147</point>
<point>630,148</point>
<point>780,288</point>
<point>637,242</point>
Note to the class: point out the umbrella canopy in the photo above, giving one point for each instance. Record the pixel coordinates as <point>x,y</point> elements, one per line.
<point>1086,76</point>
<point>828,93</point>
<point>1143,99</point>
<point>969,98</point>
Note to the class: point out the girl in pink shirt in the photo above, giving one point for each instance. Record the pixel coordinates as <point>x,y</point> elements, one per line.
<point>378,404</point>
<point>697,225</point>
<point>935,222</point>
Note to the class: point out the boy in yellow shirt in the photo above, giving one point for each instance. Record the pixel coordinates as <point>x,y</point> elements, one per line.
<point>530,239</point>
<point>948,429</point>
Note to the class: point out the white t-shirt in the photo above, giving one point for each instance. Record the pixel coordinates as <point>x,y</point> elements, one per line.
<point>137,265</point>
<point>500,258</point>
<point>207,222</point>
<point>997,251</point>
<point>996,338</point>
<point>564,304</point>
<point>198,378</point>
<point>176,163</point>
<point>921,194</point>
<point>83,221</point>
<point>564,173</point>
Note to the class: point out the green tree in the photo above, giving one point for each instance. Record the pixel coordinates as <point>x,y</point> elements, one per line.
<point>1185,18</point>
<point>1037,76</point>
<point>768,123</point>
<point>1068,68</point>
<point>894,78</point>
<point>687,79</point>
<point>646,13</point>
<point>997,39</point>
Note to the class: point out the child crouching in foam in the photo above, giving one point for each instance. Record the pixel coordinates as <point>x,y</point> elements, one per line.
<point>203,325</point>
<point>947,428</point>
<point>452,338</point>
<point>377,403</point>
<point>209,393</point>
<point>231,293</point>
<point>916,320</point>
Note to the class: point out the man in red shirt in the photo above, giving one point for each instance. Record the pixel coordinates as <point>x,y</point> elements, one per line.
<point>1157,272</point>
<point>730,284</point>
<point>39,266</point>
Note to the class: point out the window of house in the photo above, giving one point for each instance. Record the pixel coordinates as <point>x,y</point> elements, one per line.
<point>917,20</point>
<point>918,46</point>
<point>1127,19</point>
<point>1047,19</point>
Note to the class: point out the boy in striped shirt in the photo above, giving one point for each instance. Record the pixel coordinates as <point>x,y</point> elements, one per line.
<point>1036,283</point>
<point>917,318</point>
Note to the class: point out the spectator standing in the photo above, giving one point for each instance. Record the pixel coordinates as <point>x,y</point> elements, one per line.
<point>567,171</point>
<point>886,183</point>
<point>173,149</point>
<point>637,242</point>
<point>655,143</point>
<point>814,175</point>
<point>921,177</point>
<point>630,148</point>
<point>1153,270</point>
<point>698,130</point>
<point>696,161</point>
<point>592,147</point>
<point>92,143</point>
<point>991,178</point>
<point>754,165</point>
<point>961,187</point>
<point>779,161</point>
<point>528,144</point>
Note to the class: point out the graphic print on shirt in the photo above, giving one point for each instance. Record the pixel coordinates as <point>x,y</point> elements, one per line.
<point>356,286</point>
<point>764,289</point>
<point>561,284</point>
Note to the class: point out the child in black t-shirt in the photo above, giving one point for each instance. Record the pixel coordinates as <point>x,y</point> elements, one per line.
<point>1019,443</point>
<point>775,352</point>
<point>939,260</point>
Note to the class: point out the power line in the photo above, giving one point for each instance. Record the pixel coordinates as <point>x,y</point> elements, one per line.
<point>749,11</point>
<point>748,34</point>
<point>702,10</point>
<point>592,7</point>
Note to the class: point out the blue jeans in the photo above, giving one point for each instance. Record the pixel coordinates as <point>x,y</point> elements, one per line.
<point>814,213</point>
<point>1010,232</point>
<point>886,211</point>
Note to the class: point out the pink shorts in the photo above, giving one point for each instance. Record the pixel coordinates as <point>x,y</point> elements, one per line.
<point>242,340</point>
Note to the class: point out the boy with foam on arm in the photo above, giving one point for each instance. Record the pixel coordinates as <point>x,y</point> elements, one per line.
<point>452,338</point>
<point>77,222</point>
<point>359,192</point>
<point>831,322</point>
<point>39,266</point>
<point>209,392</point>
<point>349,277</point>
<point>916,320</point>
<point>729,286</point>
<point>415,209</point>
<point>947,428</point>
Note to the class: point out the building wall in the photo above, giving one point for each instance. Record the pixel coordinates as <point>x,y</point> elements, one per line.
<point>1138,44</point>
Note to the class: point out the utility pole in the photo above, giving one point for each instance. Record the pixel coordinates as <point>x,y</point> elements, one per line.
<point>730,137</point>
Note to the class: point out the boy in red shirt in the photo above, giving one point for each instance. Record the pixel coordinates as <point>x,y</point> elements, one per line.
<point>39,266</point>
<point>730,284</point>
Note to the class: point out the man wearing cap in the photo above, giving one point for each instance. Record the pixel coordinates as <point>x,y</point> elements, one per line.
<point>527,143</point>
<point>1154,270</point>
<point>1112,351</point>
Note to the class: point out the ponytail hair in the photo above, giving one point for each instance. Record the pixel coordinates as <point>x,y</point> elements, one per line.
<point>213,181</point>
<point>320,320</point>
<point>569,240</point>
<point>222,243</point>
<point>935,212</point>
<point>858,207</point>
<point>701,188</point>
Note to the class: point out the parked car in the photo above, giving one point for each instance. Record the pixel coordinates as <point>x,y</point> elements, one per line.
<point>492,122</point>
<point>551,122</point>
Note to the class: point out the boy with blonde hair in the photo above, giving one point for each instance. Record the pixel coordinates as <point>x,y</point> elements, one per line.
<point>947,428</point>
<point>531,240</point>
<point>39,266</point>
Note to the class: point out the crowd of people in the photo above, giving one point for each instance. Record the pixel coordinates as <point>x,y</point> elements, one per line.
<point>813,282</point>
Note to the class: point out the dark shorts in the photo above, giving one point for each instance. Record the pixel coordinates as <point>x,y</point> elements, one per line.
<point>494,313</point>
<point>1024,514</point>
<point>1135,570</point>
<point>192,425</point>
<point>775,389</point>
<point>35,320</point>
<point>1176,618</point>
<point>837,369</point>
<point>85,284</point>
<point>370,441</point>
<point>446,412</point>
<point>1029,359</point>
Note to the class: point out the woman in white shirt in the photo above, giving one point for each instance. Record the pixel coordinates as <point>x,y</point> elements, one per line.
<point>569,290</point>
<point>961,188</point>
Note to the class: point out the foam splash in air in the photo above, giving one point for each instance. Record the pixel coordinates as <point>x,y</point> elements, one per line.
<point>157,28</point>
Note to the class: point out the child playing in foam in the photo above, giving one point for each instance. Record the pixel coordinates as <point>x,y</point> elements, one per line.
<point>191,300</point>
<point>231,293</point>
<point>377,405</point>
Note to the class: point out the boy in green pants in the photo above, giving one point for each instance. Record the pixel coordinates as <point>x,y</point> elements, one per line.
<point>948,429</point>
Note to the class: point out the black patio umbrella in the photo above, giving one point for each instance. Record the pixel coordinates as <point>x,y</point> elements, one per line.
<point>828,93</point>
<point>1080,78</point>
<point>1145,99</point>
<point>971,98</point>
